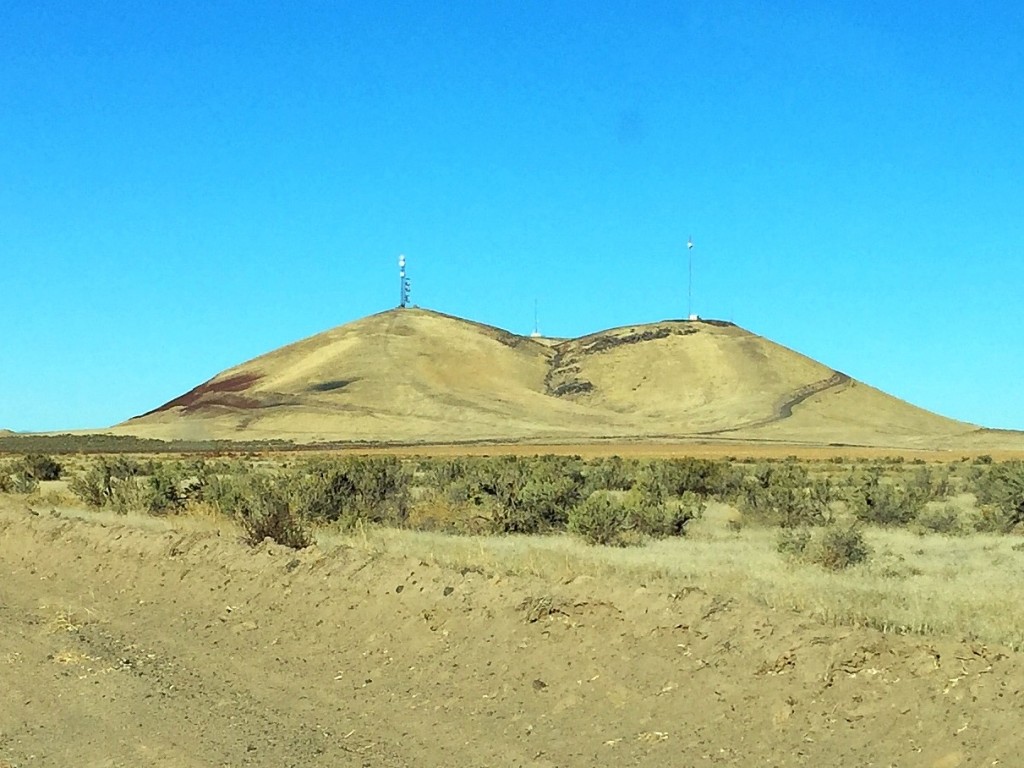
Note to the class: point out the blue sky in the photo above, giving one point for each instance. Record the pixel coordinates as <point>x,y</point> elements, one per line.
<point>186,185</point>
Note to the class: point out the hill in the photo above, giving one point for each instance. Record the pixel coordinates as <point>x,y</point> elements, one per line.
<point>418,376</point>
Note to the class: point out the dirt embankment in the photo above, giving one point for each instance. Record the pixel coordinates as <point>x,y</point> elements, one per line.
<point>128,647</point>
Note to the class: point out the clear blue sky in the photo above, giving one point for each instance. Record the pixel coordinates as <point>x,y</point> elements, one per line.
<point>186,185</point>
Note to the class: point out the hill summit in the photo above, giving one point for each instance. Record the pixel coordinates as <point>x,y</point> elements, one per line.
<point>419,376</point>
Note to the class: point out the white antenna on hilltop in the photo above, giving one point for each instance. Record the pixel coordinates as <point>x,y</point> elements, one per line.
<point>536,324</point>
<point>689,294</point>
<point>404,285</point>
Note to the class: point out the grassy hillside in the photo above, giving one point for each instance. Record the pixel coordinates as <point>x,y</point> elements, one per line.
<point>415,375</point>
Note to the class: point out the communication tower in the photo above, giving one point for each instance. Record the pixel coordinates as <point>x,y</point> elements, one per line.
<point>405,286</point>
<point>536,325</point>
<point>689,295</point>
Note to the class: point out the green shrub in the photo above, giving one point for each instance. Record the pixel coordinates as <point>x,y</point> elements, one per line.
<point>94,486</point>
<point>127,486</point>
<point>930,483</point>
<point>1001,491</point>
<point>40,467</point>
<point>833,547</point>
<point>600,519</point>
<point>675,477</point>
<point>878,502</point>
<point>133,494</point>
<point>23,476</point>
<point>372,489</point>
<point>225,492</point>
<point>442,474</point>
<point>940,518</point>
<point>658,517</point>
<point>840,547</point>
<point>265,511</point>
<point>611,473</point>
<point>793,542</point>
<point>23,483</point>
<point>786,495</point>
<point>531,495</point>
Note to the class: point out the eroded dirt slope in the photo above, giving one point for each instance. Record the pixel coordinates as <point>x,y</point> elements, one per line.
<point>130,647</point>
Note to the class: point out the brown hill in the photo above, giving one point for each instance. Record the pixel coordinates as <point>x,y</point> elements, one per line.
<point>417,376</point>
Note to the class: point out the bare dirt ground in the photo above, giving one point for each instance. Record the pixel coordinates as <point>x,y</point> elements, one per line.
<point>132,645</point>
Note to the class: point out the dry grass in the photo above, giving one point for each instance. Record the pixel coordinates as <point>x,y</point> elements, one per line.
<point>196,517</point>
<point>66,620</point>
<point>968,587</point>
<point>965,587</point>
<point>700,381</point>
<point>71,657</point>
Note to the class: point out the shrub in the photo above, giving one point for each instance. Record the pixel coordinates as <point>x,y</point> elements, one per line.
<point>657,517</point>
<point>21,482</point>
<point>611,473</point>
<point>600,519</point>
<point>441,474</point>
<point>834,547</point>
<point>128,486</point>
<point>531,495</point>
<point>133,494</point>
<point>840,547</point>
<point>1001,491</point>
<point>793,542</point>
<point>675,477</point>
<point>94,486</point>
<point>434,510</point>
<point>40,467</point>
<point>226,492</point>
<point>265,512</point>
<point>944,518</point>
<point>875,501</point>
<point>930,483</point>
<point>373,489</point>
<point>786,495</point>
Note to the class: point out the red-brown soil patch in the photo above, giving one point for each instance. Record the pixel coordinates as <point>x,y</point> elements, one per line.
<point>214,392</point>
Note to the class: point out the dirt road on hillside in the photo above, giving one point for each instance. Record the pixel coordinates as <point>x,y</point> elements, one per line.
<point>128,647</point>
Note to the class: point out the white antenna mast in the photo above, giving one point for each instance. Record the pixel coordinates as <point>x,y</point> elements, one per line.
<point>403,283</point>
<point>536,323</point>
<point>689,294</point>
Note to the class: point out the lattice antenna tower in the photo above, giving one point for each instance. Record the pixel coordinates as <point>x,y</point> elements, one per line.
<point>405,287</point>
<point>536,323</point>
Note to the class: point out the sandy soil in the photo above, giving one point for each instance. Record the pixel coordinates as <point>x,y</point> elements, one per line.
<point>123,646</point>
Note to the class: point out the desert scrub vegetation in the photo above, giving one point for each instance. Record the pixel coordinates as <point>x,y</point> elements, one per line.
<point>901,546</point>
<point>266,511</point>
<point>609,501</point>
<point>616,518</point>
<point>1000,491</point>
<point>786,495</point>
<point>835,547</point>
<point>126,485</point>
<point>24,475</point>
<point>40,467</point>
